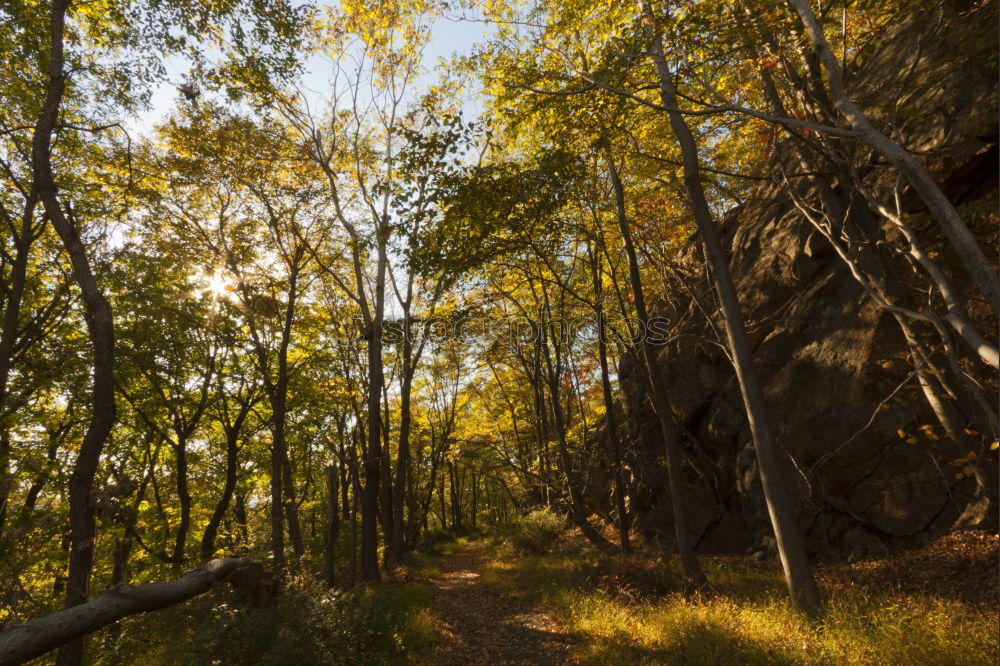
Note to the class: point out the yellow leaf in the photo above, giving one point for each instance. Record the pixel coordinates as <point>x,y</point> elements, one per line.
<point>994,446</point>
<point>911,440</point>
<point>902,435</point>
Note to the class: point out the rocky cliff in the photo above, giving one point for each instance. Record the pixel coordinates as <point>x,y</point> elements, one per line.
<point>869,463</point>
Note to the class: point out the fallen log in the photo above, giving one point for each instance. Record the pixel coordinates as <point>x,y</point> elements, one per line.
<point>21,642</point>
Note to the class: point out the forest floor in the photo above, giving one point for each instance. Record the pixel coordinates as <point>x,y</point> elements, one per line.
<point>574,604</point>
<point>482,624</point>
<point>482,600</point>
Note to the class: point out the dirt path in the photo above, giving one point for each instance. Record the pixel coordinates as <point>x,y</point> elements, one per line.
<point>483,625</point>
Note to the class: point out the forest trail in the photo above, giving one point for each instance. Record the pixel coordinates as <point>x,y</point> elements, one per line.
<point>483,625</point>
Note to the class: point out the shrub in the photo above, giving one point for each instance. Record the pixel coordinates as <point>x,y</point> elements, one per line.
<point>435,541</point>
<point>539,531</point>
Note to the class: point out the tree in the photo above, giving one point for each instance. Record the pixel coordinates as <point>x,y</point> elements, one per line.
<point>784,521</point>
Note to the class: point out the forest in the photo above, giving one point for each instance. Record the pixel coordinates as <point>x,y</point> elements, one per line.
<point>499,332</point>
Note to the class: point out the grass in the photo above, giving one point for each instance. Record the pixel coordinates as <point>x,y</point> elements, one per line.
<point>629,609</point>
<point>436,543</point>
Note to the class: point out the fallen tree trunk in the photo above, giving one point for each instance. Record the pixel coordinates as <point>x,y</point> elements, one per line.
<point>21,642</point>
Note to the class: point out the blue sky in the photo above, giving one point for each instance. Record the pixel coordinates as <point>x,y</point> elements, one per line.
<point>450,35</point>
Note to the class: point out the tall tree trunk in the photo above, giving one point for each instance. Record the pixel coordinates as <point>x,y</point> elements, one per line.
<point>791,543</point>
<point>475,500</point>
<point>282,482</point>
<point>8,337</point>
<point>658,389</point>
<point>572,480</point>
<point>184,498</point>
<point>400,495</point>
<point>456,521</point>
<point>276,514</point>
<point>386,505</point>
<point>444,514</point>
<point>373,459</point>
<point>332,532</point>
<point>291,506</point>
<point>355,494</point>
<point>100,327</point>
<point>425,507</point>
<point>573,486</point>
<point>610,422</point>
<point>6,481</point>
<point>345,481</point>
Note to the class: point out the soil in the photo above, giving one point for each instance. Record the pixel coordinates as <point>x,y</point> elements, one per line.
<point>483,625</point>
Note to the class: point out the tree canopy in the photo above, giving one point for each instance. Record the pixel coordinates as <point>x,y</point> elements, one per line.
<point>325,308</point>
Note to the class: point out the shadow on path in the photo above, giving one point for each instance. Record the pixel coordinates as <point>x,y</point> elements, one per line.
<point>486,626</point>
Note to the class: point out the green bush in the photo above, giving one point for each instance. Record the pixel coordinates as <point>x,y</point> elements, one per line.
<point>311,625</point>
<point>539,531</point>
<point>435,541</point>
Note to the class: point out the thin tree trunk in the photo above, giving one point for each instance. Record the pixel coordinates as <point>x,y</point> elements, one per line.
<point>332,524</point>
<point>228,488</point>
<point>658,389</point>
<point>345,481</point>
<point>610,423</point>
<point>444,514</point>
<point>8,337</point>
<point>184,498</point>
<point>791,543</point>
<point>572,481</point>
<point>387,510</point>
<point>475,500</point>
<point>291,507</point>
<point>402,485</point>
<point>276,514</point>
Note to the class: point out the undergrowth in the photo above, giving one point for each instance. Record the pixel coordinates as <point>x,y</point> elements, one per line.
<point>372,624</point>
<point>386,623</point>
<point>630,609</point>
<point>538,532</point>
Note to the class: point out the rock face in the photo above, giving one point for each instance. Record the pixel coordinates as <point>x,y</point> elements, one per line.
<point>845,402</point>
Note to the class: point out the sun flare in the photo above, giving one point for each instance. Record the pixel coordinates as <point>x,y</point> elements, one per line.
<point>217,285</point>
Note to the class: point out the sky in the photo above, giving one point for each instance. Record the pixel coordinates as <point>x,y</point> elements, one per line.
<point>451,34</point>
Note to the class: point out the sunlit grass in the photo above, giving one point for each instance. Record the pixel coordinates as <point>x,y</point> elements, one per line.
<point>424,565</point>
<point>625,611</point>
